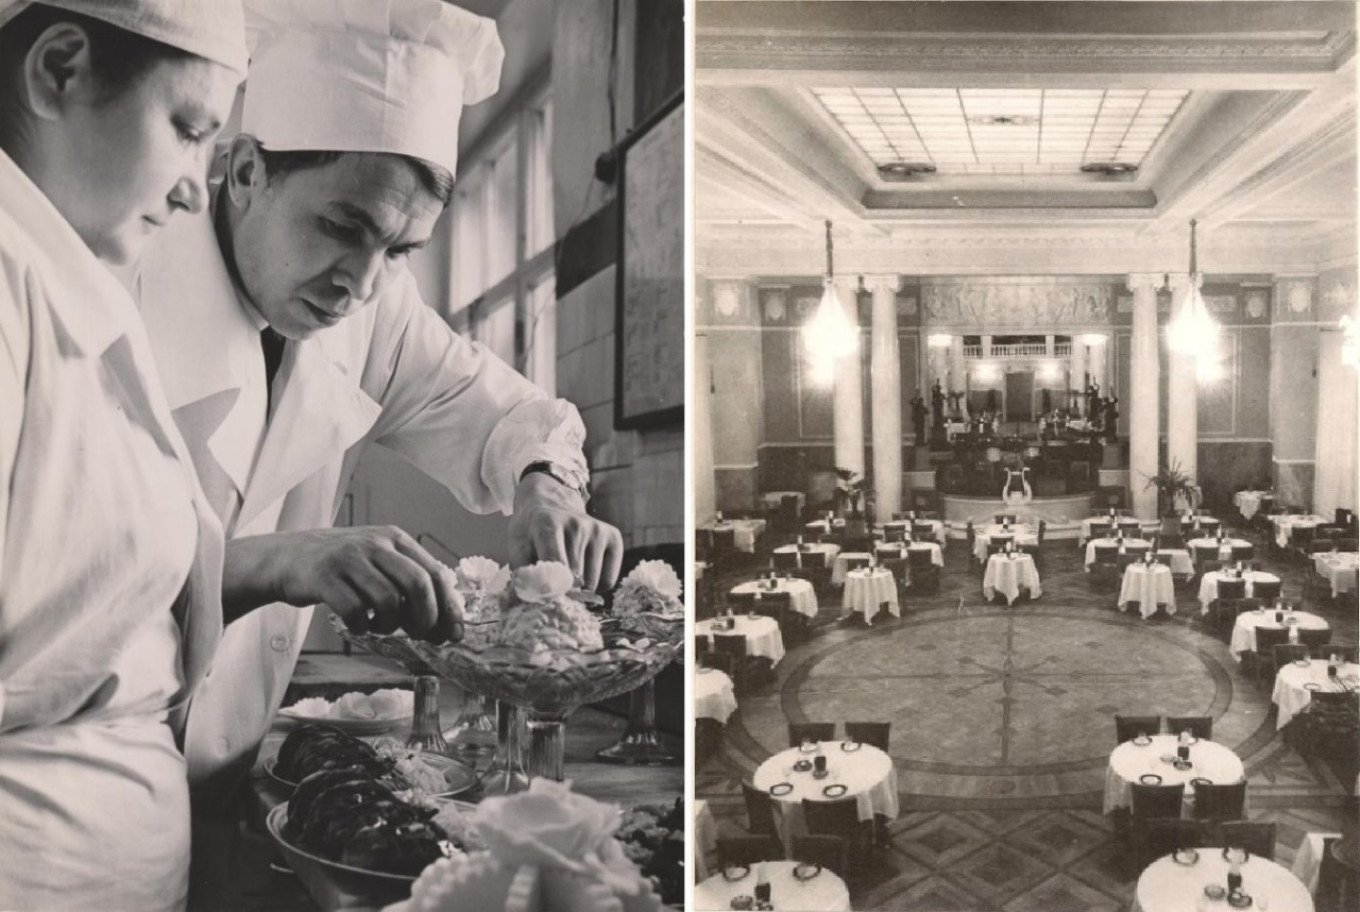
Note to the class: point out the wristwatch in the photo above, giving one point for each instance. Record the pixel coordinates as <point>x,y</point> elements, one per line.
<point>561,474</point>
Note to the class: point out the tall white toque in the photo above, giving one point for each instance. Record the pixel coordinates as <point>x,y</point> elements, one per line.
<point>366,75</point>
<point>211,29</point>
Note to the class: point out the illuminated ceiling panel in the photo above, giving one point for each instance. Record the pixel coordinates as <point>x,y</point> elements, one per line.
<point>1003,131</point>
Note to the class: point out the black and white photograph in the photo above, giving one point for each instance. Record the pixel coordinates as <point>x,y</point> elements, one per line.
<point>342,566</point>
<point>1023,455</point>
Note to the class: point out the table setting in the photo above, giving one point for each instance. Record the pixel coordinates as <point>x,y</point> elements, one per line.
<point>1125,545</point>
<point>845,562</point>
<point>792,887</point>
<point>852,770</point>
<point>1007,573</point>
<point>1248,622</point>
<point>761,633</point>
<point>1297,681</point>
<point>1153,760</point>
<point>1339,568</point>
<point>1208,584</point>
<point>866,592</point>
<point>745,531</point>
<point>802,597</point>
<point>1207,879</point>
<point>1147,584</point>
<point>1021,533</point>
<point>1286,523</point>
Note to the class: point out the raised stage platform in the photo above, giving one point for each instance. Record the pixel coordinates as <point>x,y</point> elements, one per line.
<point>1063,513</point>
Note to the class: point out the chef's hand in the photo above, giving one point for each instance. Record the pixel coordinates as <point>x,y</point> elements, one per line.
<point>550,523</point>
<point>375,577</point>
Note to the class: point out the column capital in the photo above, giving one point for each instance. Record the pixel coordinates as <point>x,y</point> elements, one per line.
<point>888,283</point>
<point>1180,281</point>
<point>1144,281</point>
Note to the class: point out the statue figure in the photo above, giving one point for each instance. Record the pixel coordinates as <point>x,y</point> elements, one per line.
<point>918,419</point>
<point>1013,495</point>
<point>1092,401</point>
<point>1110,418</point>
<point>937,403</point>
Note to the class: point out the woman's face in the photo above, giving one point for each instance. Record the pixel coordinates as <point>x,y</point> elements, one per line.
<point>132,159</point>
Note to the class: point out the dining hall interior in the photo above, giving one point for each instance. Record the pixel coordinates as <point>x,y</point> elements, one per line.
<point>1024,455</point>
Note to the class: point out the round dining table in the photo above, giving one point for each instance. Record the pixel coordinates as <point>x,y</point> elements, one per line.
<point>899,550</point>
<point>1132,762</point>
<point>761,633</point>
<point>1008,573</point>
<point>1244,630</point>
<point>1208,585</point>
<point>1248,502</point>
<point>1296,683</point>
<point>802,597</point>
<point>714,697</point>
<point>1021,533</point>
<point>744,532</point>
<point>868,591</point>
<point>1286,523</point>
<point>826,892</point>
<point>1166,885</point>
<point>1128,544</point>
<point>1147,586</point>
<point>1339,568</point>
<point>855,771</point>
<point>802,549</point>
<point>1223,546</point>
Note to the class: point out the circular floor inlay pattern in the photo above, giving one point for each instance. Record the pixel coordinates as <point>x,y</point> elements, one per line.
<point>1006,694</point>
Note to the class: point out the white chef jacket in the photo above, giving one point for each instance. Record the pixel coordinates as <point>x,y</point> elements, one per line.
<point>110,582</point>
<point>394,374</point>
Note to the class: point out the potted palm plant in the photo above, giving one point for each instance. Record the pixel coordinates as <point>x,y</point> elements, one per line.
<point>851,491</point>
<point>1174,486</point>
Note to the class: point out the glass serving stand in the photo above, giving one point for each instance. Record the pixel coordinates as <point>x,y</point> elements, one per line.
<point>546,685</point>
<point>641,744</point>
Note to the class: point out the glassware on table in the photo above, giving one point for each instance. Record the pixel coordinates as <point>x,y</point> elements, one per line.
<point>474,732</point>
<point>425,734</point>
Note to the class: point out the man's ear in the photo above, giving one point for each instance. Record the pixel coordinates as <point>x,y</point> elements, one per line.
<point>246,173</point>
<point>57,70</point>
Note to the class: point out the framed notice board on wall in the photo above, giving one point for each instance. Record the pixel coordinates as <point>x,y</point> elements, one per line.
<point>649,369</point>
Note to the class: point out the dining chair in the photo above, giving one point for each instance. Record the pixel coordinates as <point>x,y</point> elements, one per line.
<point>1346,653</point>
<point>760,813</point>
<point>1256,838</point>
<point>1267,590</point>
<point>1100,530</point>
<point>893,536</point>
<point>831,852</point>
<point>1243,552</point>
<point>1290,652</point>
<point>1220,802</point>
<point>925,576</point>
<point>1201,727</point>
<point>923,531</point>
<point>708,735</point>
<point>839,817</point>
<point>1160,836</point>
<point>1156,800</point>
<point>745,850</point>
<point>1129,727</point>
<point>1202,554</point>
<point>1267,638</point>
<point>716,660</point>
<point>811,731</point>
<point>1230,593</point>
<point>1105,554</point>
<point>875,734</point>
<point>1314,637</point>
<point>785,560</point>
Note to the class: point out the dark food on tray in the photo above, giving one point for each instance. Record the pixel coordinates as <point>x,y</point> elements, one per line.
<point>653,838</point>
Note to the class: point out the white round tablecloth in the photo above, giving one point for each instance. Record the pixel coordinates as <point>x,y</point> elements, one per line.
<point>1286,523</point>
<point>1023,535</point>
<point>868,775</point>
<point>744,532</point>
<point>1147,585</point>
<point>762,635</point>
<point>1129,762</point>
<point>1244,631</point>
<point>824,893</point>
<point>714,697</point>
<point>1308,858</point>
<point>1208,585</point>
<point>1292,692</point>
<point>802,597</point>
<point>1248,502</point>
<point>705,838</point>
<point>1130,544</point>
<point>841,566</point>
<point>1166,886</point>
<point>1339,568</point>
<point>1007,573</point>
<point>866,590</point>
<point>1224,547</point>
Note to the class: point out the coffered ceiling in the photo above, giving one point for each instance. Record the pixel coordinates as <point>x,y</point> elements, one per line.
<point>1071,136</point>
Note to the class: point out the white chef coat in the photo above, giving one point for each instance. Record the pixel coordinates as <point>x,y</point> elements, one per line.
<point>394,374</point>
<point>110,582</point>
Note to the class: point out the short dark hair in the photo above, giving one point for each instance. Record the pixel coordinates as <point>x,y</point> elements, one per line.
<point>118,58</point>
<point>434,178</point>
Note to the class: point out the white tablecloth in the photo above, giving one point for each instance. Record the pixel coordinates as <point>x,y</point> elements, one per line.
<point>1208,585</point>
<point>1248,502</point>
<point>867,774</point>
<point>1308,858</point>
<point>705,838</point>
<point>1147,586</point>
<point>802,598</point>
<point>1292,692</point>
<point>1338,568</point>
<point>1224,547</point>
<point>826,548</point>
<point>762,635</point>
<point>865,592</point>
<point>1286,523</point>
<point>1129,762</point>
<point>714,697</point>
<point>1180,561</point>
<point>1007,573</point>
<point>820,527</point>
<point>1130,526</point>
<point>1166,886</point>
<point>1130,544</point>
<point>899,550</point>
<point>1023,535</point>
<point>1244,631</point>
<point>841,566</point>
<point>772,499</point>
<point>745,532</point>
<point>824,893</point>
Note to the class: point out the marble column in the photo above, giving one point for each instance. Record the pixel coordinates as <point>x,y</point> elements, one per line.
<point>885,396</point>
<point>1142,398</point>
<point>1076,378</point>
<point>1295,337</point>
<point>848,395</point>
<point>1182,392</point>
<point>705,491</point>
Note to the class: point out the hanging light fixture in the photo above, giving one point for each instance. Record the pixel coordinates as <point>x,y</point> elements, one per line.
<point>829,335</point>
<point>1192,331</point>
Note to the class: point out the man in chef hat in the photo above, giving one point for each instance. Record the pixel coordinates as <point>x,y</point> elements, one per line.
<point>290,335</point>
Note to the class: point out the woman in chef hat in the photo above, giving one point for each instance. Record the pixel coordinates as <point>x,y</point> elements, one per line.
<point>110,560</point>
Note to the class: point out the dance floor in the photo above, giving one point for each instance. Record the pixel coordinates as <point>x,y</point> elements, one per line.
<point>1002,724</point>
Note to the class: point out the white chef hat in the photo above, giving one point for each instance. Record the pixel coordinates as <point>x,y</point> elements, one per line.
<point>366,75</point>
<point>212,29</point>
